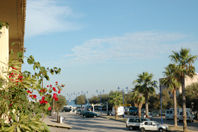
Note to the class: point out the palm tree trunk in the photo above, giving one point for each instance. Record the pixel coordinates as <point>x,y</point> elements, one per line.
<point>175,107</point>
<point>184,105</point>
<point>146,104</point>
<point>116,111</point>
<point>139,110</point>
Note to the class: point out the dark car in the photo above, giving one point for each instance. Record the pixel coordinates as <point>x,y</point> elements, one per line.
<point>133,110</point>
<point>89,114</point>
<point>82,112</point>
<point>66,109</point>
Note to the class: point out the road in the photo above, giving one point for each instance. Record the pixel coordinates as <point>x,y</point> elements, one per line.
<point>97,124</point>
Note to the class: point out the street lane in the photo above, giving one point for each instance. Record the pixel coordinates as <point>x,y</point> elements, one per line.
<point>97,124</point>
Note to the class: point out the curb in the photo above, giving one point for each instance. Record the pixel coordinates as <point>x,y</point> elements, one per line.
<point>52,123</point>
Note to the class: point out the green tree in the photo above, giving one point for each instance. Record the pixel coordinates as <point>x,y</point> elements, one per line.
<point>154,102</point>
<point>145,85</point>
<point>184,60</point>
<point>139,100</point>
<point>167,101</point>
<point>104,98</point>
<point>115,100</point>
<point>58,105</point>
<point>80,100</point>
<point>128,99</point>
<point>192,96</point>
<point>94,100</point>
<point>171,81</point>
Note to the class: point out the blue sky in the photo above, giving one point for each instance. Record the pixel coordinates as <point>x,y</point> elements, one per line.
<point>102,44</point>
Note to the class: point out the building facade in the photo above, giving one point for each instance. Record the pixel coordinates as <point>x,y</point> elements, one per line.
<point>12,27</point>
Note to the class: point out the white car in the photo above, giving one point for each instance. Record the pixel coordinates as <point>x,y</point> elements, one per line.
<point>134,122</point>
<point>152,126</point>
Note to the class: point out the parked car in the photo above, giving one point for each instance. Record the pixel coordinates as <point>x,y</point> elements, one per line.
<point>78,111</point>
<point>134,122</point>
<point>155,113</point>
<point>152,126</point>
<point>82,112</point>
<point>133,110</point>
<point>189,116</point>
<point>89,114</point>
<point>66,109</point>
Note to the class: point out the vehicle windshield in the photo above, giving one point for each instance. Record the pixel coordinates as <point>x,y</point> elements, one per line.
<point>156,122</point>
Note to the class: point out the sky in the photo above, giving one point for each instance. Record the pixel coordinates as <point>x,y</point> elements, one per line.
<point>101,45</point>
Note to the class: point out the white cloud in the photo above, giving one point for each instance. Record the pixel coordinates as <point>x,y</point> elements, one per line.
<point>45,16</point>
<point>138,45</point>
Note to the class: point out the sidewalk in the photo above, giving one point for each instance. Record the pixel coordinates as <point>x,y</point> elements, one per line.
<point>51,121</point>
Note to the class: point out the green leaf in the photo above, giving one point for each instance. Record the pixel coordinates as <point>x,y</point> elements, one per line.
<point>47,106</point>
<point>18,129</point>
<point>30,60</point>
<point>25,127</point>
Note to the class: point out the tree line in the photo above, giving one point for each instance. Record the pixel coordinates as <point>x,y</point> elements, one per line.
<point>144,92</point>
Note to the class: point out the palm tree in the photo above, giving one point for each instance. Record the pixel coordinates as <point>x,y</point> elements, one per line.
<point>146,86</point>
<point>116,100</point>
<point>171,82</point>
<point>184,61</point>
<point>138,100</point>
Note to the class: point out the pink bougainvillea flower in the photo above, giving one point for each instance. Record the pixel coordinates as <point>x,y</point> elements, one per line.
<point>54,95</point>
<point>20,77</point>
<point>41,101</point>
<point>44,90</point>
<point>29,92</point>
<point>13,67</point>
<point>50,85</point>
<point>40,91</point>
<point>59,91</point>
<point>43,98</point>
<point>62,85</point>
<point>34,96</point>
<point>56,82</point>
<point>49,108</point>
<point>47,85</point>
<point>54,89</point>
<point>56,99</point>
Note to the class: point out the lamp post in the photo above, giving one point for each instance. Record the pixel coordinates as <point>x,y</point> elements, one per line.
<point>161,103</point>
<point>123,92</point>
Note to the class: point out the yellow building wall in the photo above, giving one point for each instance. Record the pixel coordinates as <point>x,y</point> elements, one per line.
<point>4,50</point>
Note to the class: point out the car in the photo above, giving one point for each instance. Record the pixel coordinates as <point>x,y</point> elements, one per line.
<point>152,126</point>
<point>133,110</point>
<point>189,116</point>
<point>78,111</point>
<point>82,112</point>
<point>89,114</point>
<point>66,109</point>
<point>134,122</point>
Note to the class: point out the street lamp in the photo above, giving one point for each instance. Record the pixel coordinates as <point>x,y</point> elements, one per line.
<point>123,92</point>
<point>161,103</point>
